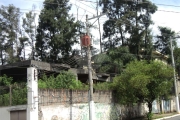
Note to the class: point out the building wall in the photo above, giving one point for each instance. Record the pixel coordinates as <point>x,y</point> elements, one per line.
<point>4,113</point>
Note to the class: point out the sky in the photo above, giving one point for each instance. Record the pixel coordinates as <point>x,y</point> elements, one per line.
<point>167,15</point>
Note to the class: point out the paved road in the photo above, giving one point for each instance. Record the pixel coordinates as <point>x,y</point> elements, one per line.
<point>174,118</point>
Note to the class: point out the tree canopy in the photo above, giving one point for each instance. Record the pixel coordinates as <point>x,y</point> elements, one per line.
<point>114,60</point>
<point>56,30</point>
<point>9,29</point>
<point>162,43</point>
<point>143,81</point>
<point>128,24</point>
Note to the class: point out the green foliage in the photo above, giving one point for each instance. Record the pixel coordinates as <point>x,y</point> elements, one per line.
<point>29,27</point>
<point>177,59</point>
<point>5,81</point>
<point>102,86</point>
<point>4,99</point>
<point>56,31</point>
<point>9,29</point>
<point>143,81</point>
<point>162,43</point>
<point>114,60</point>
<point>149,116</point>
<point>65,80</point>
<point>128,24</point>
<point>17,96</point>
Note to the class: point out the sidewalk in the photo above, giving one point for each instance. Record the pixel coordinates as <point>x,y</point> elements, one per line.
<point>164,116</point>
<point>159,116</point>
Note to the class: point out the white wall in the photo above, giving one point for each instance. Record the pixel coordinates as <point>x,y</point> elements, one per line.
<point>79,112</point>
<point>4,113</point>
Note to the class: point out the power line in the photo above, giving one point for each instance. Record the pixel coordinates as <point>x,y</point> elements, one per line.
<point>168,11</point>
<point>160,4</point>
<point>118,5</point>
<point>58,4</point>
<point>86,5</point>
<point>167,5</point>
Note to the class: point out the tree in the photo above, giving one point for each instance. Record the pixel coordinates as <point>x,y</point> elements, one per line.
<point>9,28</point>
<point>177,59</point>
<point>162,43</point>
<point>23,42</point>
<point>128,18</point>
<point>114,60</point>
<point>143,81</point>
<point>55,31</point>
<point>29,27</point>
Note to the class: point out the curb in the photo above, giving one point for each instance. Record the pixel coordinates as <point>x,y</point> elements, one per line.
<point>167,117</point>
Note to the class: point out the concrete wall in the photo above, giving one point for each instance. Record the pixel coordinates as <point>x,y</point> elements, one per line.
<point>73,105</point>
<point>58,96</point>
<point>79,112</point>
<point>4,113</point>
<point>68,105</point>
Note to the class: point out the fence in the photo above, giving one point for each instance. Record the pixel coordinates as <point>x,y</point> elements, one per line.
<point>70,104</point>
<point>57,104</point>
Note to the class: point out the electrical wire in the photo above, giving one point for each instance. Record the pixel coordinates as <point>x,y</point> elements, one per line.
<point>125,0</point>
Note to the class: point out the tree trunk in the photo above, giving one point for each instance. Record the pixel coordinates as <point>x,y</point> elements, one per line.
<point>150,110</point>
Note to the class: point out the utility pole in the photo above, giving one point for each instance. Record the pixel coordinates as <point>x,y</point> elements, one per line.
<point>175,82</point>
<point>32,94</point>
<point>91,102</point>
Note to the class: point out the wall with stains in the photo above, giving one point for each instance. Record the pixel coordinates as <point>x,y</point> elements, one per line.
<point>79,112</point>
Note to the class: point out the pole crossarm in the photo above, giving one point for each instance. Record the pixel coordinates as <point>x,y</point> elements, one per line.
<point>97,16</point>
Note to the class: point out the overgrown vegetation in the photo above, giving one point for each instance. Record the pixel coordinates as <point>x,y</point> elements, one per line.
<point>65,80</point>
<point>103,86</point>
<point>12,93</point>
<point>16,93</point>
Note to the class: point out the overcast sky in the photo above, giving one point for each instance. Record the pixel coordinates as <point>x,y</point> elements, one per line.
<point>168,14</point>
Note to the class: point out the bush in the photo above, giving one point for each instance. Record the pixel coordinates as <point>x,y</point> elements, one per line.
<point>65,80</point>
<point>102,86</point>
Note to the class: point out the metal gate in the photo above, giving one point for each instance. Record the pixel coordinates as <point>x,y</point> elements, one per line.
<point>18,115</point>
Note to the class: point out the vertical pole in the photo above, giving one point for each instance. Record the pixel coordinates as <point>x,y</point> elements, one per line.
<point>10,92</point>
<point>32,95</point>
<point>91,102</point>
<point>174,73</point>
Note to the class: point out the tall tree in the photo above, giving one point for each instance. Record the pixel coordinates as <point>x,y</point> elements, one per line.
<point>55,31</point>
<point>128,23</point>
<point>9,20</point>
<point>29,26</point>
<point>162,43</point>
